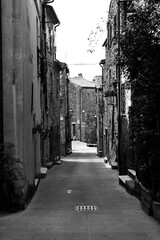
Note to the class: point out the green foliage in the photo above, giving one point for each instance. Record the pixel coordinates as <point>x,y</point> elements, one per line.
<point>11,180</point>
<point>95,35</point>
<point>140,62</point>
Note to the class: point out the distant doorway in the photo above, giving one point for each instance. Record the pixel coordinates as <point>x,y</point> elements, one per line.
<point>74,131</point>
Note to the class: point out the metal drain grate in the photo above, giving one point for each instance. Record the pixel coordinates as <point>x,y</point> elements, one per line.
<point>86,208</point>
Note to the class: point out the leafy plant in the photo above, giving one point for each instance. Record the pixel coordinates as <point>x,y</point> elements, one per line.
<point>140,61</point>
<point>11,180</point>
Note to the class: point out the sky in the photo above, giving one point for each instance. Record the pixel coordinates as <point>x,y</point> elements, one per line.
<point>78,18</point>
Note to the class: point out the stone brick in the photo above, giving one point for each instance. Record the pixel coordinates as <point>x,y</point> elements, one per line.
<point>82,100</point>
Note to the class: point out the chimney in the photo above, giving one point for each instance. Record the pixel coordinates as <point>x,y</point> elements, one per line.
<point>80,75</point>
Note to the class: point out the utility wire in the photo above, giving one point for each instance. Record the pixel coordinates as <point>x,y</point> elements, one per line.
<point>82,63</point>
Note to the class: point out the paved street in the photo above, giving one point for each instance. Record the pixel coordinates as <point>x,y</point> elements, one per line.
<point>82,180</point>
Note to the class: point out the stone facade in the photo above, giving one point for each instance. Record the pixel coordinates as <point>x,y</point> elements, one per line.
<point>110,132</point>
<point>65,124</point>
<point>99,113</point>
<point>110,75</point>
<point>50,100</point>
<point>82,100</point>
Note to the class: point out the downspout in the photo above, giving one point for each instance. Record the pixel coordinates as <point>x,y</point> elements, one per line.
<point>119,95</point>
<point>101,65</point>
<point>98,124</point>
<point>1,87</point>
<point>80,114</point>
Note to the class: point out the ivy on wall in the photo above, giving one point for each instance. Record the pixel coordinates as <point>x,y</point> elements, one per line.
<point>140,62</point>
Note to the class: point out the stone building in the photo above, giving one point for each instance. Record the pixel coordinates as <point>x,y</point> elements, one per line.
<point>82,100</point>
<point>30,97</point>
<point>50,99</point>
<point>116,97</point>
<point>21,100</point>
<point>65,119</point>
<point>99,114</point>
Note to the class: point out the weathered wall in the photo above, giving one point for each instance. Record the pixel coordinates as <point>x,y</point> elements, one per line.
<point>31,90</point>
<point>74,102</point>
<point>111,91</point>
<point>82,101</point>
<point>88,115</point>
<point>110,101</point>
<point>64,113</point>
<point>19,19</point>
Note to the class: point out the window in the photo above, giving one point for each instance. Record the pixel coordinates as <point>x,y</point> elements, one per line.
<point>32,98</point>
<point>109,76</point>
<point>74,129</point>
<point>109,26</point>
<point>110,32</point>
<point>115,26</point>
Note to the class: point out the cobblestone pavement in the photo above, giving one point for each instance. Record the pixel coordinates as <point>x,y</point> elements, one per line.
<point>82,180</point>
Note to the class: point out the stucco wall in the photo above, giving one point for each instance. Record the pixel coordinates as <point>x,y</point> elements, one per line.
<point>31,117</point>
<point>19,36</point>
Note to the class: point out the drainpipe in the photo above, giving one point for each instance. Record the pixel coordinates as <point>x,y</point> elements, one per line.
<point>119,95</point>
<point>80,114</point>
<point>102,65</point>
<point>1,87</point>
<point>98,123</point>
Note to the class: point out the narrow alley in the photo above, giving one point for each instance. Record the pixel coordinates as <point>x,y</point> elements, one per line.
<point>82,179</point>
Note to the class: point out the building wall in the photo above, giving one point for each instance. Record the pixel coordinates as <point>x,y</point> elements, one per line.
<point>1,89</point>
<point>19,39</point>
<point>100,115</point>
<point>88,113</point>
<point>55,113</point>
<point>82,102</point>
<point>110,87</point>
<point>63,113</point>
<point>111,91</point>
<point>31,90</point>
<point>65,118</point>
<point>74,103</point>
<point>31,96</point>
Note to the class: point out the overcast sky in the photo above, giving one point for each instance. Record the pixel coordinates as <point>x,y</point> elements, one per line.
<point>78,18</point>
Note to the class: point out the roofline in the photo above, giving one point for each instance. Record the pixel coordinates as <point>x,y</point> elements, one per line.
<point>91,87</point>
<point>104,44</point>
<point>103,61</point>
<point>53,13</point>
<point>88,87</point>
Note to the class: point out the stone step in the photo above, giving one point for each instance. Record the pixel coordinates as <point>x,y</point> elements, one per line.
<point>43,172</point>
<point>127,182</point>
<point>49,165</point>
<point>36,181</point>
<point>124,178</point>
<point>132,174</point>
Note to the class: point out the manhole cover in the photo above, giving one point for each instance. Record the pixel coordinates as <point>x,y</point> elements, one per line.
<point>86,208</point>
